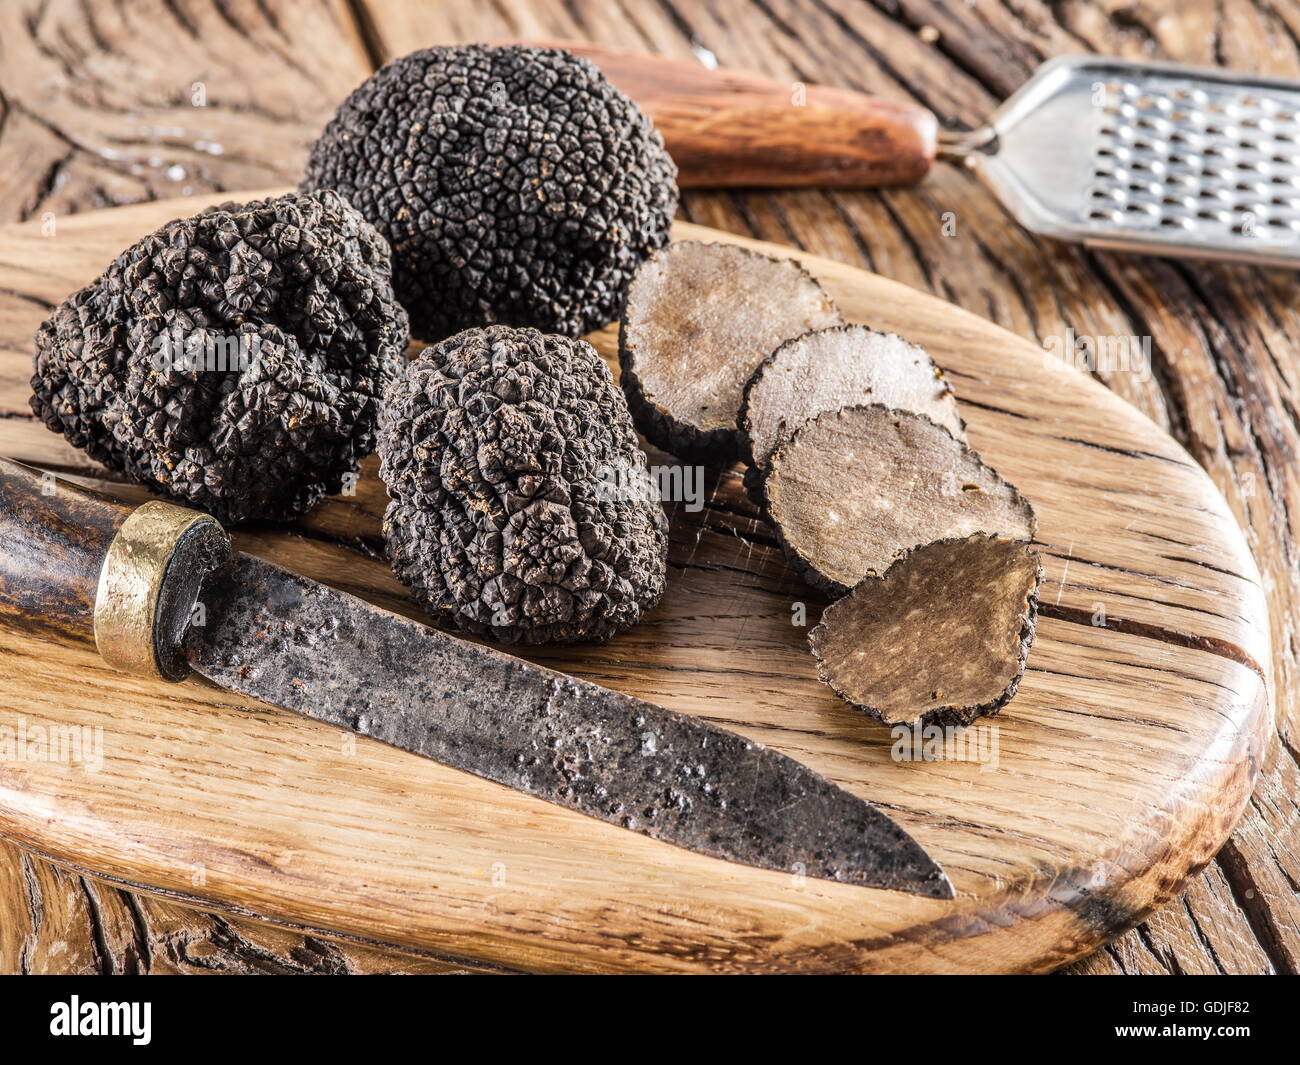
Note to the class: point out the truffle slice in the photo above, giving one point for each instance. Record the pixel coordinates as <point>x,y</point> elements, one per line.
<point>698,321</point>
<point>515,184</point>
<point>854,489</point>
<point>521,504</point>
<point>832,368</point>
<point>941,637</point>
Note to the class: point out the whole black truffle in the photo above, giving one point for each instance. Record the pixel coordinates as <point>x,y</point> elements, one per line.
<point>521,506</point>
<point>516,185</point>
<point>232,360</point>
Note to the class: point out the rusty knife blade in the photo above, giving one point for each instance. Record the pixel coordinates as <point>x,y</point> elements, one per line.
<point>309,648</point>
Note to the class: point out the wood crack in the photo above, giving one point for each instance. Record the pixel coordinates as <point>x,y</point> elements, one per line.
<point>367,31</point>
<point>103,955</point>
<point>1251,901</point>
<point>1210,644</point>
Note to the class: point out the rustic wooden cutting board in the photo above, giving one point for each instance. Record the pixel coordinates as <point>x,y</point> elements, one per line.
<point>1121,765</point>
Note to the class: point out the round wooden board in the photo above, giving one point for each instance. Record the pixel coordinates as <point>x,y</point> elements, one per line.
<point>1121,765</point>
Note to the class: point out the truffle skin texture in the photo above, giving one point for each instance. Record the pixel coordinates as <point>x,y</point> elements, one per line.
<point>521,506</point>
<point>232,360</point>
<point>516,185</point>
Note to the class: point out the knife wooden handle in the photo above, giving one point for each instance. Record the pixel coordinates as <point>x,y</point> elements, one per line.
<point>78,565</point>
<point>732,128</point>
<point>55,536</point>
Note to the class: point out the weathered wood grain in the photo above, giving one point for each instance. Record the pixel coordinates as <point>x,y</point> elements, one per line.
<point>109,103</point>
<point>1122,762</point>
<point>60,922</point>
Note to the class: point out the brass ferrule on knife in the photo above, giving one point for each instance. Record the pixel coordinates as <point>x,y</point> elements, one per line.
<point>81,565</point>
<point>149,584</point>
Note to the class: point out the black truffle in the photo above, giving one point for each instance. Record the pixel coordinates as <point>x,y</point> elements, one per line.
<point>232,360</point>
<point>827,369</point>
<point>521,504</point>
<point>699,319</point>
<point>837,367</point>
<point>516,185</point>
<point>854,489</point>
<point>940,637</point>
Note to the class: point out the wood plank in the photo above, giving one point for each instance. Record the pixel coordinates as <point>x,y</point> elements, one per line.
<point>104,103</point>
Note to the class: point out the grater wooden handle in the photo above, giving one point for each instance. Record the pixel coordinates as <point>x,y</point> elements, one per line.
<point>732,128</point>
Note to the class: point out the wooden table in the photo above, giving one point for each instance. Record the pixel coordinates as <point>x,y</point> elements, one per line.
<point>103,103</point>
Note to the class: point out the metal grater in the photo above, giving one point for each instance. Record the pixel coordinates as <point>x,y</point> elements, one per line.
<point>1151,157</point>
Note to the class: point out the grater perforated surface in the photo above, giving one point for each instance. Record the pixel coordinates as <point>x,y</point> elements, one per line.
<point>1219,161</point>
<point>1153,157</point>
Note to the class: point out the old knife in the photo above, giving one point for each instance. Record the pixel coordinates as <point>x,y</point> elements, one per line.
<point>84,565</point>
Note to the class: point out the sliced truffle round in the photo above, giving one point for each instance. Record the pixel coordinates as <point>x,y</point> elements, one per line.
<point>839,367</point>
<point>232,360</point>
<point>854,489</point>
<point>521,505</point>
<point>515,184</point>
<point>698,321</point>
<point>940,637</point>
